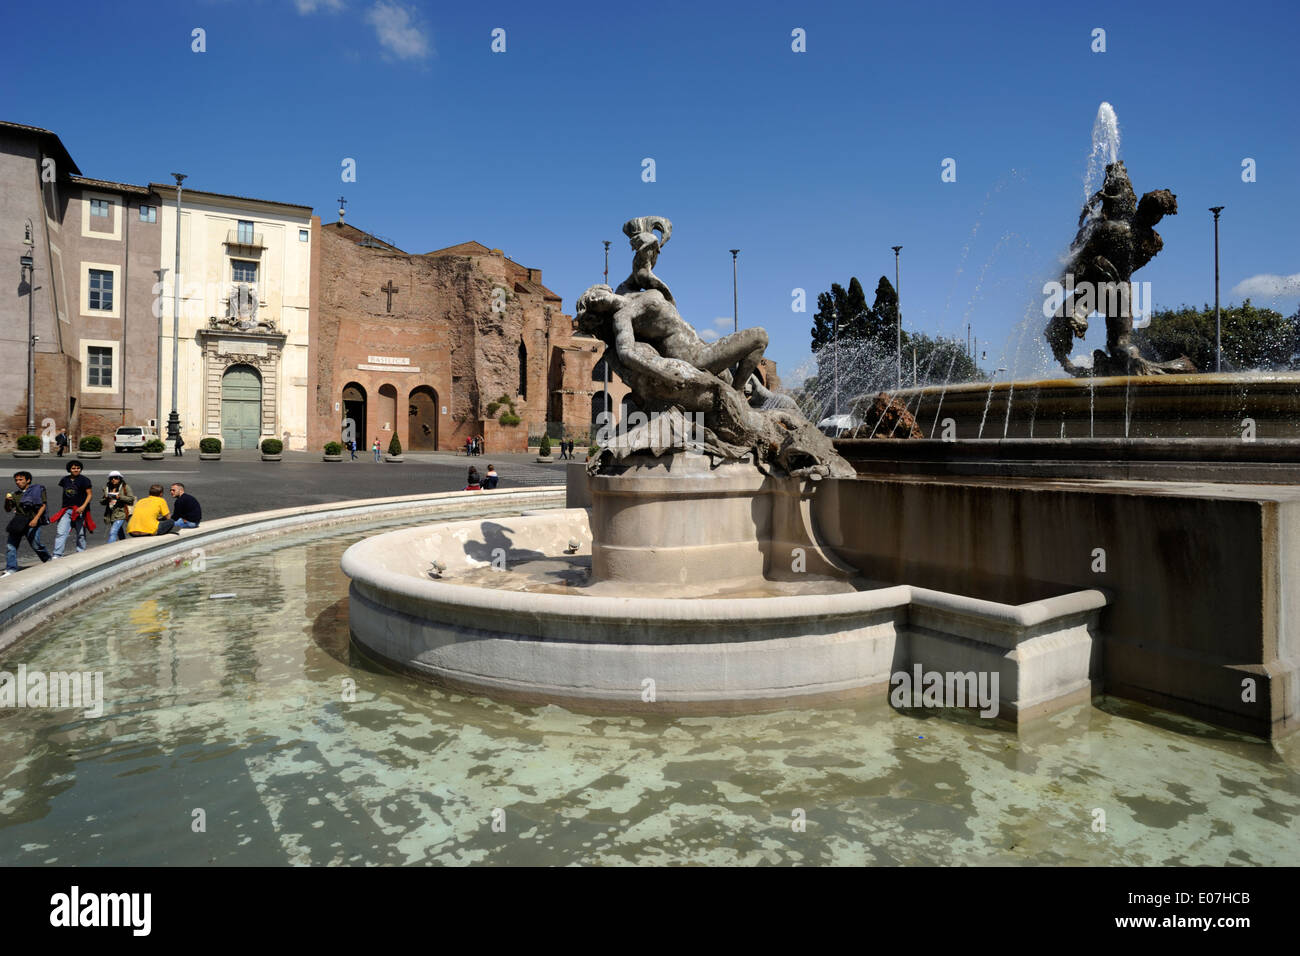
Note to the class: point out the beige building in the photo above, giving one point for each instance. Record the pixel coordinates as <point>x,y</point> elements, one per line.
<point>245,290</point>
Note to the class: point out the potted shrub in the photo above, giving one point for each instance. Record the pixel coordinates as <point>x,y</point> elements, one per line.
<point>544,449</point>
<point>394,451</point>
<point>333,451</point>
<point>90,446</point>
<point>153,449</point>
<point>271,449</point>
<point>592,452</point>
<point>29,446</point>
<point>209,449</point>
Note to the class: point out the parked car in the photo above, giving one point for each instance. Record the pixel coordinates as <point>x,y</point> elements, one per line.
<point>131,438</point>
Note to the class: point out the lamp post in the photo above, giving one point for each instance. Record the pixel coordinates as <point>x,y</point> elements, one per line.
<point>174,419</point>
<point>1218,355</point>
<point>835,359</point>
<point>29,270</point>
<point>898,310</point>
<point>735,297</point>
<point>606,242</point>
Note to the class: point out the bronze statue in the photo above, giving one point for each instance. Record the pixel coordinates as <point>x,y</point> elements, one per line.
<point>1116,237</point>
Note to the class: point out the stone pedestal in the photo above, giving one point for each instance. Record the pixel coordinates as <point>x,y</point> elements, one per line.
<point>676,519</point>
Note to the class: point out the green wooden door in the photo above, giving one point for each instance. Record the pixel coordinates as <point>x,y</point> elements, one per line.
<point>241,407</point>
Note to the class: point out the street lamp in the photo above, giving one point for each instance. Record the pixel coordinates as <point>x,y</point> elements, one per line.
<point>1218,356</point>
<point>835,358</point>
<point>606,242</point>
<point>735,297</point>
<point>29,269</point>
<point>174,419</point>
<point>898,309</point>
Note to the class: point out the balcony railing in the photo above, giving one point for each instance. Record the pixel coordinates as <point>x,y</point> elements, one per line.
<point>246,240</point>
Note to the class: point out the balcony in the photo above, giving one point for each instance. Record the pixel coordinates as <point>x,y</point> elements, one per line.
<point>246,241</point>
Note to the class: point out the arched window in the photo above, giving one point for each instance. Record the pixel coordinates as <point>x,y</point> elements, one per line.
<point>523,370</point>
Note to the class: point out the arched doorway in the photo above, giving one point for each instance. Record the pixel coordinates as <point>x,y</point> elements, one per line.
<point>627,407</point>
<point>354,407</point>
<point>387,418</point>
<point>423,425</point>
<point>241,407</point>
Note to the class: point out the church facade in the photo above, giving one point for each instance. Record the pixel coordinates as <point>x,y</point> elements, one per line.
<point>437,347</point>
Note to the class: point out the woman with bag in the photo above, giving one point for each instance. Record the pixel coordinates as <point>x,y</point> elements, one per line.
<point>117,501</point>
<point>29,507</point>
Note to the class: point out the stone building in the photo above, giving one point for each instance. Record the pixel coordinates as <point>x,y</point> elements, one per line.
<point>434,347</point>
<point>245,289</point>
<point>94,246</point>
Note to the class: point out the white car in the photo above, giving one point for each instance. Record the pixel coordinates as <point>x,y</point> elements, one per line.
<point>131,438</point>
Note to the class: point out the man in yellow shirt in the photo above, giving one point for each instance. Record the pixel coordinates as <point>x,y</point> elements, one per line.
<point>151,516</point>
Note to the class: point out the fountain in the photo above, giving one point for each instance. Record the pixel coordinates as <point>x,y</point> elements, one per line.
<point>1117,393</point>
<point>699,578</point>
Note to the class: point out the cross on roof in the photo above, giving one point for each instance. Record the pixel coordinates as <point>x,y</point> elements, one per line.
<point>390,289</point>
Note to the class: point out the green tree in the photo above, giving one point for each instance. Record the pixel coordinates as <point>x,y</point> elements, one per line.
<point>884,313</point>
<point>823,328</point>
<point>849,307</point>
<point>1252,338</point>
<point>937,360</point>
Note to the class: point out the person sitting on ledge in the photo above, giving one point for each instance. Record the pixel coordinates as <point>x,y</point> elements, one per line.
<point>491,478</point>
<point>186,511</point>
<point>472,482</point>
<point>151,516</point>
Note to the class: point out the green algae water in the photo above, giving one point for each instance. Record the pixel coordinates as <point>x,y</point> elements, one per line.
<point>231,735</point>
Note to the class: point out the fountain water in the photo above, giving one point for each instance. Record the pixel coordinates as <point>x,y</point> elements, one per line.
<point>1105,148</point>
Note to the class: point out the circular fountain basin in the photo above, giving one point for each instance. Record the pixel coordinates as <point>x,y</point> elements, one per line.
<point>514,613</point>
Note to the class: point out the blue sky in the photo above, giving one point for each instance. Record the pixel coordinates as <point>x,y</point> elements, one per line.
<point>814,164</point>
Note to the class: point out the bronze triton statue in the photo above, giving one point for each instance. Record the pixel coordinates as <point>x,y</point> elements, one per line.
<point>1116,237</point>
<point>675,375</point>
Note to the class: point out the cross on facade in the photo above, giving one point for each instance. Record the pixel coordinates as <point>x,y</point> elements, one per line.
<point>390,289</point>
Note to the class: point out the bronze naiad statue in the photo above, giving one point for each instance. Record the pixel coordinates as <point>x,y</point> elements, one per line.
<point>680,380</point>
<point>1116,237</point>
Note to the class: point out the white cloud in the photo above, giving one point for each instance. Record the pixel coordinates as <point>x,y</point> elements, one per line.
<point>306,7</point>
<point>708,335</point>
<point>1266,286</point>
<point>398,30</point>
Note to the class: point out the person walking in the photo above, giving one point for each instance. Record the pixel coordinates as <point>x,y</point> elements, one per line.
<point>352,448</point>
<point>72,515</point>
<point>61,440</point>
<point>375,449</point>
<point>29,507</point>
<point>180,443</point>
<point>186,512</point>
<point>472,480</point>
<point>117,501</point>
<point>151,516</point>
<point>491,478</point>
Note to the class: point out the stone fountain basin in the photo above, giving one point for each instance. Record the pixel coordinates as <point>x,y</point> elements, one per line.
<point>540,632</point>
